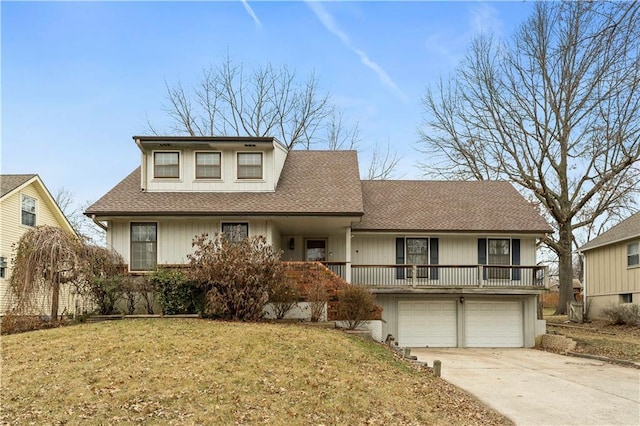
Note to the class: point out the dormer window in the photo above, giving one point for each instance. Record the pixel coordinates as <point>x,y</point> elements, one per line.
<point>249,165</point>
<point>166,165</point>
<point>208,165</point>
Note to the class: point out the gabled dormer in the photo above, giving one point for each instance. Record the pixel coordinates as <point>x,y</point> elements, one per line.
<point>210,163</point>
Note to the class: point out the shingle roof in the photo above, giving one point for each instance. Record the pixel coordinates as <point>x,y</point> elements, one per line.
<point>312,182</point>
<point>625,230</point>
<point>449,206</point>
<point>10,182</point>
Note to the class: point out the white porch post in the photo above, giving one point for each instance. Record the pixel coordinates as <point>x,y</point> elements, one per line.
<point>347,266</point>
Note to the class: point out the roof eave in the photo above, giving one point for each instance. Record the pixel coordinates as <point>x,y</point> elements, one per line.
<point>537,233</point>
<point>607,243</point>
<point>99,214</point>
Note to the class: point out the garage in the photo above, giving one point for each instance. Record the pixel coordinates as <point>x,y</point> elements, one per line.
<point>427,323</point>
<point>493,324</point>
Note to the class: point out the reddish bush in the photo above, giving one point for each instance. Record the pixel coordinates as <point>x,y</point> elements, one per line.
<point>235,275</point>
<point>356,305</point>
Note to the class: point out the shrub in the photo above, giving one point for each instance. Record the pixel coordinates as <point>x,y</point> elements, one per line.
<point>237,276</point>
<point>130,293</point>
<point>317,296</point>
<point>356,304</point>
<point>103,278</point>
<point>176,293</point>
<point>139,290</point>
<point>106,292</point>
<point>11,323</point>
<point>628,314</point>
<point>283,295</point>
<point>148,294</point>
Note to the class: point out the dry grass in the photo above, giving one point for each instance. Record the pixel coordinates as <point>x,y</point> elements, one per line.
<point>205,372</point>
<point>599,337</point>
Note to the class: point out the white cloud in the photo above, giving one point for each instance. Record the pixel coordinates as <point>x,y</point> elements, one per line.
<point>451,46</point>
<point>484,19</point>
<point>251,13</point>
<point>330,24</point>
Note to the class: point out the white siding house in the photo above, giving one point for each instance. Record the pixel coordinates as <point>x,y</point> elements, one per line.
<point>452,263</point>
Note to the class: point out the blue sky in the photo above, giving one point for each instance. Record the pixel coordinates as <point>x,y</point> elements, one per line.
<point>80,78</point>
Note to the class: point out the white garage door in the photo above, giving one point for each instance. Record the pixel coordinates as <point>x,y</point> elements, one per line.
<point>431,323</point>
<point>493,324</point>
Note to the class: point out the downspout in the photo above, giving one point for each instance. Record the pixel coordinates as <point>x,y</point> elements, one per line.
<point>100,224</point>
<point>584,284</point>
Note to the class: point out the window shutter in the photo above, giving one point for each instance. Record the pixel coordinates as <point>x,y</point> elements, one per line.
<point>433,257</point>
<point>515,259</point>
<point>400,258</point>
<point>482,255</point>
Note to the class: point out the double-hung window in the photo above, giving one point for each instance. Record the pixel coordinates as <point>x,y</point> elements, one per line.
<point>418,254</point>
<point>166,165</point>
<point>28,211</point>
<point>249,165</point>
<point>633,254</point>
<point>499,254</point>
<point>208,165</point>
<point>144,246</point>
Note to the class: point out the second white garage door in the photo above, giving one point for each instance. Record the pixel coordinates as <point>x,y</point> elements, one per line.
<point>431,323</point>
<point>496,324</point>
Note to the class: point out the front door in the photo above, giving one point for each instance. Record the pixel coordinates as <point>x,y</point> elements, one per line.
<point>316,250</point>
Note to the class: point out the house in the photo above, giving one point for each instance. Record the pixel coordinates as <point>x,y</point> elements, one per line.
<point>26,203</point>
<point>612,266</point>
<point>451,263</point>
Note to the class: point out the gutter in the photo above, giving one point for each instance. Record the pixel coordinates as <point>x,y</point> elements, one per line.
<point>100,224</point>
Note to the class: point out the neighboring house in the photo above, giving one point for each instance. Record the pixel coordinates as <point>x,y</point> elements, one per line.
<point>26,203</point>
<point>612,266</point>
<point>451,263</point>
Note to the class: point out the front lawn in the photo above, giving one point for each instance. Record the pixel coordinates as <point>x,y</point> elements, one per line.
<point>599,337</point>
<point>170,371</point>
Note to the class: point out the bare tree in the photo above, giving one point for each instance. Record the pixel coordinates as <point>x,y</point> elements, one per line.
<point>383,163</point>
<point>339,135</point>
<point>83,226</point>
<point>556,110</point>
<point>268,101</point>
<point>66,201</point>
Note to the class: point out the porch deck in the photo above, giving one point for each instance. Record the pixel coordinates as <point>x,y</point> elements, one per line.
<point>443,276</point>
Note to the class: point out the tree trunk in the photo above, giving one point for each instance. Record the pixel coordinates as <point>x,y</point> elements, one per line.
<point>55,298</point>
<point>565,269</point>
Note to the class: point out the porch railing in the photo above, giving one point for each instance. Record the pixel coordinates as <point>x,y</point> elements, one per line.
<point>338,268</point>
<point>449,275</point>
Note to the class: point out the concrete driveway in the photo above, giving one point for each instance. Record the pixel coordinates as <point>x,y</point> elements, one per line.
<point>533,387</point>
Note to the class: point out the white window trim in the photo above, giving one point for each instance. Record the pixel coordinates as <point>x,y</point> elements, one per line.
<point>237,165</point>
<point>180,165</point>
<point>136,271</point>
<point>195,167</point>
<point>637,244</point>
<point>37,213</point>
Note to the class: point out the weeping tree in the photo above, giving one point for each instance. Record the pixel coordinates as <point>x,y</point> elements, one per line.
<point>555,110</point>
<point>45,258</point>
<point>103,277</point>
